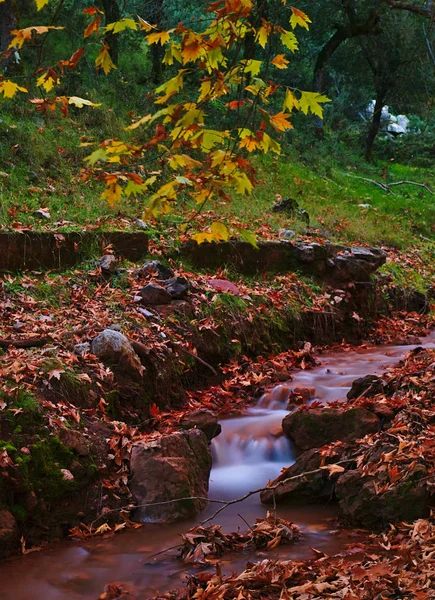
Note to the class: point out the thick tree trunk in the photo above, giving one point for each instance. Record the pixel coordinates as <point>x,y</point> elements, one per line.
<point>371,26</point>
<point>374,126</point>
<point>8,21</point>
<point>112,14</point>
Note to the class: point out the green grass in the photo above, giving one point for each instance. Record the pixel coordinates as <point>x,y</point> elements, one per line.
<point>41,158</point>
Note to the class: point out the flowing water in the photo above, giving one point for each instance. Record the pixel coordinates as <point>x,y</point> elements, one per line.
<point>248,452</point>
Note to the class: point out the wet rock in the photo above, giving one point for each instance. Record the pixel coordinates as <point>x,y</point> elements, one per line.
<point>222,285</point>
<point>157,269</point>
<point>153,294</point>
<point>361,503</point>
<point>367,386</point>
<point>114,347</point>
<point>107,264</point>
<point>75,441</point>
<point>316,487</point>
<point>81,349</point>
<point>409,299</point>
<point>204,420</point>
<point>317,427</point>
<point>306,393</point>
<point>173,466</point>
<point>177,287</point>
<point>9,534</point>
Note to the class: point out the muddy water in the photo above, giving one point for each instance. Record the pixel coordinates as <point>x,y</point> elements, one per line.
<point>246,455</point>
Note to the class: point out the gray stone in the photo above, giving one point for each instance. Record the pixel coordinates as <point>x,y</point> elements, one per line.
<point>107,264</point>
<point>81,349</point>
<point>175,466</point>
<point>370,385</point>
<point>153,294</point>
<point>154,267</point>
<point>114,347</point>
<point>177,287</point>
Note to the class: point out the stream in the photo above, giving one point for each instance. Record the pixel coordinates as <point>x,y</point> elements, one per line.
<point>247,454</point>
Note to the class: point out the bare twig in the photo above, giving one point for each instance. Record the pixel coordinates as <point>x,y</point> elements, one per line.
<point>28,343</point>
<point>387,186</point>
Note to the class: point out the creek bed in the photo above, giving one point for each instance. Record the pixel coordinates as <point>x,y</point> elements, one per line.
<point>246,455</point>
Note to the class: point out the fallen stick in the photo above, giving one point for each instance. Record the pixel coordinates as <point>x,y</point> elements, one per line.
<point>28,343</point>
<point>224,503</point>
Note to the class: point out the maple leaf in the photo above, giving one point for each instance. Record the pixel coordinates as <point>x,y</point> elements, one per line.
<point>310,101</point>
<point>48,80</point>
<point>160,37</point>
<point>299,18</point>
<point>253,67</point>
<point>280,121</point>
<point>92,10</point>
<point>92,27</point>
<point>81,102</point>
<point>9,88</point>
<point>220,231</point>
<point>121,25</point>
<point>24,35</point>
<point>280,61</point>
<point>56,373</point>
<point>112,194</point>
<point>333,469</point>
<point>103,60</point>
<point>263,34</point>
<point>72,62</point>
<point>290,101</point>
<point>41,3</point>
<point>288,39</point>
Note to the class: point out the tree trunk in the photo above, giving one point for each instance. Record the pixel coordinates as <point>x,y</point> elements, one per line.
<point>155,16</point>
<point>112,14</point>
<point>371,26</point>
<point>8,22</point>
<point>374,126</point>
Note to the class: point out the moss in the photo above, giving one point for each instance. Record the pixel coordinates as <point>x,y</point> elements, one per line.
<point>43,472</point>
<point>19,512</point>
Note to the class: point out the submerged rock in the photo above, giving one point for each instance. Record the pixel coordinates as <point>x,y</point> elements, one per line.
<point>316,427</point>
<point>114,347</point>
<point>173,466</point>
<point>204,420</point>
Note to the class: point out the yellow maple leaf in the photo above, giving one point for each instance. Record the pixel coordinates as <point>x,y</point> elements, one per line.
<point>268,143</point>
<point>172,53</point>
<point>280,61</point>
<point>80,102</point>
<point>203,236</point>
<point>288,39</point>
<point>9,88</point>
<point>170,87</point>
<point>191,47</point>
<point>47,81</point>
<point>103,60</point>
<point>252,66</point>
<point>290,101</point>
<point>280,121</point>
<point>41,3</point>
<point>120,25</point>
<point>220,231</point>
<point>160,37</point>
<point>310,102</point>
<point>112,193</point>
<point>263,34</point>
<point>299,18</point>
<point>138,123</point>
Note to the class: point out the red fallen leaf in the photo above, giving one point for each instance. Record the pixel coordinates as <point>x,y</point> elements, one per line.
<point>56,373</point>
<point>155,411</point>
<point>222,285</point>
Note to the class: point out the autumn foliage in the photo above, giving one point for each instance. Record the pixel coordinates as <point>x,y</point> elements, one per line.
<point>218,105</point>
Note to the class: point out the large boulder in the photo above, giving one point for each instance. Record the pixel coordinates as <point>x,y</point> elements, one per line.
<point>362,503</point>
<point>9,535</point>
<point>114,347</point>
<point>204,420</point>
<point>175,466</point>
<point>316,427</point>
